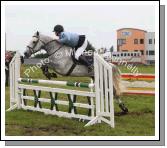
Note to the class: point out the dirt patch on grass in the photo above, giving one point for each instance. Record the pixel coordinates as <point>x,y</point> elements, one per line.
<point>134,113</point>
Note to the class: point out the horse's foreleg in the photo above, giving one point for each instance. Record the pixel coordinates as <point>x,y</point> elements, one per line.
<point>54,75</point>
<point>46,72</point>
<point>7,77</point>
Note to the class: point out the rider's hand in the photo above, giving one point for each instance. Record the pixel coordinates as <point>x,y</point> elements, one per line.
<point>57,40</point>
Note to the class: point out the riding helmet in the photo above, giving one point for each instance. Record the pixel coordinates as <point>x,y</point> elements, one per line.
<point>58,28</point>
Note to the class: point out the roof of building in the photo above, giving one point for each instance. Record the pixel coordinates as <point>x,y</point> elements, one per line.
<point>131,29</point>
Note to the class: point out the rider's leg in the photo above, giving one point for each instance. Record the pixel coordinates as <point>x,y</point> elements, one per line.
<point>84,61</point>
<point>82,58</point>
<point>81,49</point>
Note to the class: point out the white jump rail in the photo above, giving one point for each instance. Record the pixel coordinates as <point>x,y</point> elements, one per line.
<point>101,99</point>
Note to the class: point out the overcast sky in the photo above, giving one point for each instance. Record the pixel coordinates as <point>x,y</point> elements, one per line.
<point>99,23</point>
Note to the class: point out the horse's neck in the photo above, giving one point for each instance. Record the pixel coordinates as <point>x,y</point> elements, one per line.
<point>51,44</point>
<point>53,47</point>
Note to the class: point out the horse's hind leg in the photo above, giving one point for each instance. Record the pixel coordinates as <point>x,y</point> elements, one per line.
<point>121,104</point>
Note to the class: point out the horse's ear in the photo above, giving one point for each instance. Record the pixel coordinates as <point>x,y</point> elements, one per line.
<point>37,33</point>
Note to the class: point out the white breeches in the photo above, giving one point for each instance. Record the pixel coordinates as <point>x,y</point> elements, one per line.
<point>81,49</point>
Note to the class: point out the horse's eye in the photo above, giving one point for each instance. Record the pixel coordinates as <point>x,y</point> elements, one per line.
<point>34,42</point>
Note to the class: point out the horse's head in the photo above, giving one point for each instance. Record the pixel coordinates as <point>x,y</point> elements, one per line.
<point>35,45</point>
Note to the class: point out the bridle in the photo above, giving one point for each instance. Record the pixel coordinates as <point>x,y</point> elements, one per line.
<point>32,48</point>
<point>44,44</point>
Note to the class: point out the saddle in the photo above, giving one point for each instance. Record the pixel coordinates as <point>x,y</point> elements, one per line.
<point>89,58</point>
<point>76,62</point>
<point>88,48</point>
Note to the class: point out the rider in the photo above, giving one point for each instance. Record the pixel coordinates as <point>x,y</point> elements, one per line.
<point>78,42</point>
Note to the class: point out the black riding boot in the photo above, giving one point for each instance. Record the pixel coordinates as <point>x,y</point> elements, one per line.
<point>84,61</point>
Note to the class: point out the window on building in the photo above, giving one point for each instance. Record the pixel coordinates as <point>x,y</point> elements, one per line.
<point>132,54</point>
<point>142,52</point>
<point>136,50</point>
<point>147,52</point>
<point>121,54</point>
<point>150,41</point>
<point>152,62</point>
<point>141,41</point>
<point>154,41</point>
<point>135,54</point>
<point>151,53</point>
<point>128,54</point>
<point>125,54</point>
<point>135,41</point>
<point>117,55</point>
<point>121,42</point>
<point>124,50</point>
<point>114,55</point>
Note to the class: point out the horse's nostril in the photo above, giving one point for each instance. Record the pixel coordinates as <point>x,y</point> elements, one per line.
<point>22,59</point>
<point>26,54</point>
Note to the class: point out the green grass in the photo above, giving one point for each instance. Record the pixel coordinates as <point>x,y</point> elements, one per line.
<point>37,74</point>
<point>138,122</point>
<point>141,69</point>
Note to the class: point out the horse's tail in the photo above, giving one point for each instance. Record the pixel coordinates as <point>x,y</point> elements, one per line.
<point>116,80</point>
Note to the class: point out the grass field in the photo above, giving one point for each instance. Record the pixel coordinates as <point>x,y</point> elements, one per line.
<point>139,121</point>
<point>141,69</point>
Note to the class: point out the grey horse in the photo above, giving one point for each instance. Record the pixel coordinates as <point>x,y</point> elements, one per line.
<point>61,61</point>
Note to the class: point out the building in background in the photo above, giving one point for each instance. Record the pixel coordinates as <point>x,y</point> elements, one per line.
<point>135,45</point>
<point>129,57</point>
<point>131,40</point>
<point>150,47</point>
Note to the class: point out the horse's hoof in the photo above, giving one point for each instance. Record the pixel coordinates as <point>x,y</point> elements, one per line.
<point>48,76</point>
<point>123,108</point>
<point>54,75</point>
